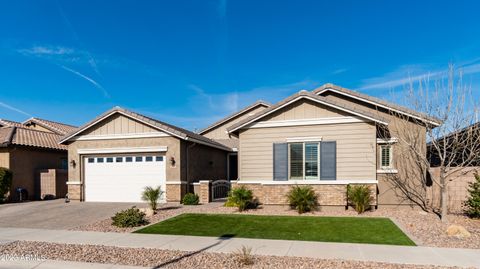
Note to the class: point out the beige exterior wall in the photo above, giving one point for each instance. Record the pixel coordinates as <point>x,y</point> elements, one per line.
<point>118,124</point>
<point>25,163</point>
<point>220,131</point>
<point>304,109</point>
<point>403,159</point>
<point>4,158</point>
<point>356,142</point>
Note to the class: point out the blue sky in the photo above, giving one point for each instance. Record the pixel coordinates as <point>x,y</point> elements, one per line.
<point>190,63</point>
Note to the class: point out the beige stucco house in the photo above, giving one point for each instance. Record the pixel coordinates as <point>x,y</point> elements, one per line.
<point>27,149</point>
<point>115,156</point>
<point>327,138</point>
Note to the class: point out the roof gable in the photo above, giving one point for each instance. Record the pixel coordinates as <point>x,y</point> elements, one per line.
<point>376,102</point>
<point>235,115</point>
<point>55,127</point>
<point>312,97</point>
<point>156,124</point>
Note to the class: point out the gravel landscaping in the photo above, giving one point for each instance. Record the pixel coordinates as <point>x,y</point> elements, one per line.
<point>424,228</point>
<point>175,259</point>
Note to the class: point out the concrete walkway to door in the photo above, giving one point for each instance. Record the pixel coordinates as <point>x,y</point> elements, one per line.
<point>358,252</point>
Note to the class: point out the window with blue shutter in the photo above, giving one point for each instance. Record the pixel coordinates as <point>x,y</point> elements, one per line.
<point>280,161</point>
<point>328,160</point>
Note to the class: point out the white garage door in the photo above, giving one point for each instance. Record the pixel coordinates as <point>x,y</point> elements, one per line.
<point>122,178</point>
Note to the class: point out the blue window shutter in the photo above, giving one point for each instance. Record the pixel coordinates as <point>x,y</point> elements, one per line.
<point>280,161</point>
<point>328,160</point>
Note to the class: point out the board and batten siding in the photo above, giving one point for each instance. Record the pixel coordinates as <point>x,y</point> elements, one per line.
<point>356,144</point>
<point>118,124</point>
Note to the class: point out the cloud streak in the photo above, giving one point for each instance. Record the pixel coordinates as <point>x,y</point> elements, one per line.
<point>89,79</point>
<point>9,107</point>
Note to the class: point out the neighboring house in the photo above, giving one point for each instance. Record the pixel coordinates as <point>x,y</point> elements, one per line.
<point>115,156</point>
<point>218,132</point>
<point>49,126</point>
<point>327,138</point>
<point>26,151</point>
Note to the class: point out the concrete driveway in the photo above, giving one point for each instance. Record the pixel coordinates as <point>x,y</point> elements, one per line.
<point>56,214</point>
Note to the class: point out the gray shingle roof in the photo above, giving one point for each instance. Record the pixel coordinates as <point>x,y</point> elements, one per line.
<point>236,114</point>
<point>381,102</point>
<point>311,96</point>
<point>174,130</point>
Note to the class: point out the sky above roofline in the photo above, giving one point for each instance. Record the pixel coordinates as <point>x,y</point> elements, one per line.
<point>190,63</point>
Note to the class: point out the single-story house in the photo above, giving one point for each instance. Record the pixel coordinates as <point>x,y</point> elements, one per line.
<point>115,156</point>
<point>26,150</point>
<point>218,132</point>
<point>327,138</point>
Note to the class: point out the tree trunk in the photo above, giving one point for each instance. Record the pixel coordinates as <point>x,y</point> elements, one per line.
<point>443,196</point>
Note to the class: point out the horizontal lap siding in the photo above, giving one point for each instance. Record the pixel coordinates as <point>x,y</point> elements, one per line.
<point>355,149</point>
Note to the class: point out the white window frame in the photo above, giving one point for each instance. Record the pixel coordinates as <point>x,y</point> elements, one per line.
<point>390,157</point>
<point>304,177</point>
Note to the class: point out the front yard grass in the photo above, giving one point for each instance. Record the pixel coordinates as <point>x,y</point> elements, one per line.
<point>304,228</point>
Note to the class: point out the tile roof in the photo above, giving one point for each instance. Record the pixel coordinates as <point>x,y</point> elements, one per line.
<point>56,127</point>
<point>238,113</point>
<point>388,105</point>
<point>24,136</point>
<point>174,130</point>
<point>309,95</point>
<point>6,123</point>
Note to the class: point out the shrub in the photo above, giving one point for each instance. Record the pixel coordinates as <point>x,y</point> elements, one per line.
<point>472,204</point>
<point>151,196</point>
<point>303,199</point>
<point>5,182</point>
<point>131,217</point>
<point>242,198</point>
<point>244,256</point>
<point>359,197</point>
<point>190,199</point>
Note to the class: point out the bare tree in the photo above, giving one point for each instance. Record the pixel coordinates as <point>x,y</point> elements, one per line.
<point>450,146</point>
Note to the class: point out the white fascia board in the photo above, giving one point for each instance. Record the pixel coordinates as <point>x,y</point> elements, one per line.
<point>119,136</point>
<point>121,150</point>
<point>312,99</point>
<point>387,141</point>
<point>303,122</point>
<point>304,139</point>
<point>378,104</point>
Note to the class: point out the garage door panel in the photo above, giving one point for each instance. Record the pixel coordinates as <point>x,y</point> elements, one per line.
<point>121,181</point>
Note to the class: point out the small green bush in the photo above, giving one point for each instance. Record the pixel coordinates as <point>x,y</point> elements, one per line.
<point>131,217</point>
<point>472,204</point>
<point>359,197</point>
<point>190,199</point>
<point>242,198</point>
<point>303,199</point>
<point>151,196</point>
<point>5,182</point>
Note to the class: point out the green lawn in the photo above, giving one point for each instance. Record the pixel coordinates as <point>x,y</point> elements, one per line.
<point>326,229</point>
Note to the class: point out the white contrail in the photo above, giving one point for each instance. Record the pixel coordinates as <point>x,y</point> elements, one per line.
<point>96,84</point>
<point>14,109</point>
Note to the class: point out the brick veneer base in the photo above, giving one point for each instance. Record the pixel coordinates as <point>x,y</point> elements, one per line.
<point>328,195</point>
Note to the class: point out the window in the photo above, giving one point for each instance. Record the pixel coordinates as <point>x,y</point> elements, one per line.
<point>91,160</point>
<point>159,158</point>
<point>138,159</point>
<point>386,156</point>
<point>304,160</point>
<point>109,160</point>
<point>296,161</point>
<point>99,160</point>
<point>149,159</point>
<point>311,160</point>
<point>128,159</point>
<point>119,159</point>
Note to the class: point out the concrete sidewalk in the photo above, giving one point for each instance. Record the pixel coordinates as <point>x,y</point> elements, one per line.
<point>359,252</point>
<point>49,264</point>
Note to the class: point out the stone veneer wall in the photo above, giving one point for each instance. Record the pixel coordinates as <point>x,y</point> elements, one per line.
<point>328,194</point>
<point>74,191</point>
<point>176,191</point>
